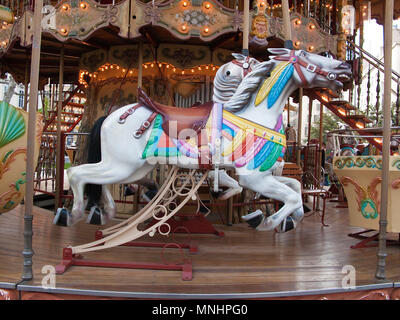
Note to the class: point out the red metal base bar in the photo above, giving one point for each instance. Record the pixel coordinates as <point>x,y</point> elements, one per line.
<point>197,224</point>
<point>365,243</point>
<point>70,260</point>
<point>191,245</point>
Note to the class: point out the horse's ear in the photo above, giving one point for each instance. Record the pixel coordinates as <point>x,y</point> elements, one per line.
<point>254,61</point>
<point>239,56</point>
<point>279,51</point>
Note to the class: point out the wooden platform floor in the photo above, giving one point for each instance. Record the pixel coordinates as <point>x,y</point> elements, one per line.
<point>243,263</point>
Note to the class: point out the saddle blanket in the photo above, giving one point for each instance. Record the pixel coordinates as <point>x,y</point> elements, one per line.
<point>246,143</point>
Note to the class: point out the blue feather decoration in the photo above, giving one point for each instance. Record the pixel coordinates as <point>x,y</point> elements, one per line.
<point>277,88</point>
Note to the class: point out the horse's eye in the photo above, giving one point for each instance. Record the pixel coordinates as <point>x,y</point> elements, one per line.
<point>228,73</point>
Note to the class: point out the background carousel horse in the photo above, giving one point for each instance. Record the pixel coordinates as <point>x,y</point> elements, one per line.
<point>251,118</point>
<point>13,140</point>
<point>348,142</point>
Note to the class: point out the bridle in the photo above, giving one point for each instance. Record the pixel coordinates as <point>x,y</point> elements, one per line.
<point>298,63</point>
<point>244,65</point>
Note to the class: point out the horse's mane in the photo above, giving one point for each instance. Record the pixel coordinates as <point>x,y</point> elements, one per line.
<point>249,84</point>
<point>224,88</point>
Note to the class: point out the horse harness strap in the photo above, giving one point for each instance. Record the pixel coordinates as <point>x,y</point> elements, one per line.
<point>145,125</point>
<point>297,62</point>
<point>127,113</point>
<point>260,131</point>
<point>245,65</point>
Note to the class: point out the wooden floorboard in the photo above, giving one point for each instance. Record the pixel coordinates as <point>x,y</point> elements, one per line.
<point>243,261</point>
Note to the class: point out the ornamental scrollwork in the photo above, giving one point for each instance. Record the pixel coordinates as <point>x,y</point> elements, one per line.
<point>367,198</point>
<point>360,162</point>
<point>184,57</point>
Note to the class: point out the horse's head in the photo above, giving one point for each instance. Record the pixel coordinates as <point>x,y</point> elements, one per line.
<point>230,75</point>
<point>313,70</point>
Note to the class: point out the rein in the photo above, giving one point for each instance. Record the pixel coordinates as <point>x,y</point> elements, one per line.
<point>298,63</point>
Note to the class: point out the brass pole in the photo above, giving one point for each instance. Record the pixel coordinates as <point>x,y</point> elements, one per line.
<point>387,32</point>
<point>30,154</point>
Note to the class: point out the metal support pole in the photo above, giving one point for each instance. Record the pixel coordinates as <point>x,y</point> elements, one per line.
<point>387,30</point>
<point>319,154</point>
<point>30,170</point>
<point>140,65</point>
<point>59,152</point>
<point>208,98</point>
<point>246,24</point>
<point>299,124</point>
<point>286,24</point>
<point>26,84</point>
<point>310,106</point>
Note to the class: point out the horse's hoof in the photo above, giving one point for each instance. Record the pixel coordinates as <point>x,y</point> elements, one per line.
<point>150,194</point>
<point>306,209</point>
<point>129,191</point>
<point>217,194</point>
<point>286,225</point>
<point>255,222</point>
<point>254,219</point>
<point>62,217</point>
<point>96,216</point>
<point>252,215</point>
<point>298,215</point>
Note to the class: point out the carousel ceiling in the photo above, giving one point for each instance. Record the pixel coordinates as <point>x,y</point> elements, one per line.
<point>81,26</point>
<point>378,10</point>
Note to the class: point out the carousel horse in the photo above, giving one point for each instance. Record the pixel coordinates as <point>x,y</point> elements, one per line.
<point>245,134</point>
<point>224,88</point>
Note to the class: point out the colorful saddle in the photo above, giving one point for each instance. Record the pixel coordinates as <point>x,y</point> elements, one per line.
<point>248,143</point>
<point>194,118</point>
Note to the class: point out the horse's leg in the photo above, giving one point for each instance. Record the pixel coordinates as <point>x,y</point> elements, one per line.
<point>101,174</point>
<point>296,186</point>
<point>109,205</point>
<point>224,180</point>
<point>77,188</point>
<point>138,176</point>
<point>270,187</point>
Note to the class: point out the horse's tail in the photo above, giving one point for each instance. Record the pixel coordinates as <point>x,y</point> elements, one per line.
<point>93,191</point>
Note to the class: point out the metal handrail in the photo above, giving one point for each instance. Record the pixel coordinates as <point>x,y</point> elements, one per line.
<point>362,136</point>
<point>373,58</point>
<point>363,129</point>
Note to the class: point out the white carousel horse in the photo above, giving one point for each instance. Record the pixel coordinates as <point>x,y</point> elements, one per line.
<point>224,88</point>
<point>257,105</point>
